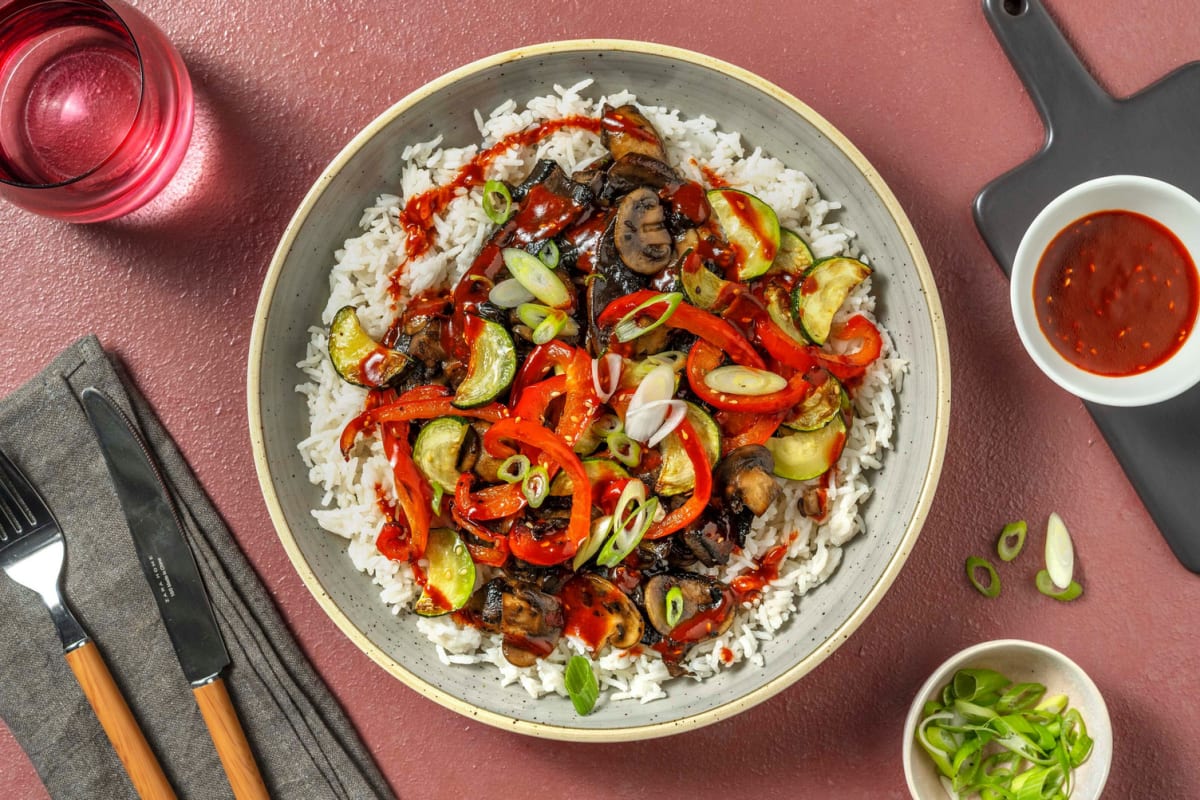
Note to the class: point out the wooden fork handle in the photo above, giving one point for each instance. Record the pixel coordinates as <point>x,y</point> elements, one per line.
<point>118,722</point>
<point>234,751</point>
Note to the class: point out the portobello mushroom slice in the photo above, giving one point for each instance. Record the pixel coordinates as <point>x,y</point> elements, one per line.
<point>710,539</point>
<point>643,240</point>
<point>745,479</point>
<point>708,606</point>
<point>530,620</point>
<point>625,130</point>
<point>598,613</point>
<point>634,171</point>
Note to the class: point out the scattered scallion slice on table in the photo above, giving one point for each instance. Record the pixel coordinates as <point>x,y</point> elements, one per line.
<point>581,684</point>
<point>1060,554</point>
<point>1012,539</point>
<point>1046,586</point>
<point>992,587</point>
<point>999,740</point>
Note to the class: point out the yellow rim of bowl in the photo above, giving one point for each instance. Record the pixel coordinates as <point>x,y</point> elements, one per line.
<point>772,687</point>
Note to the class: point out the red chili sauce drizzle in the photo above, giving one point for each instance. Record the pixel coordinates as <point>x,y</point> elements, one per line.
<point>711,178</point>
<point>749,585</point>
<point>584,612</point>
<point>1116,293</point>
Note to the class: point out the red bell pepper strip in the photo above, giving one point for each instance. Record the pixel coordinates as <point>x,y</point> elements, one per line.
<point>494,502</point>
<point>412,490</point>
<point>782,347</point>
<point>405,410</point>
<point>536,397</point>
<point>582,402</point>
<point>687,513</point>
<point>546,551</point>
<point>852,365</point>
<point>393,541</point>
<point>739,428</point>
<point>494,550</point>
<point>688,318</point>
<point>557,451</point>
<point>704,357</point>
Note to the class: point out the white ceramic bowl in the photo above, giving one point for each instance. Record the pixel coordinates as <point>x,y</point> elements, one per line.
<point>1021,661</point>
<point>296,288</point>
<point>1172,207</point>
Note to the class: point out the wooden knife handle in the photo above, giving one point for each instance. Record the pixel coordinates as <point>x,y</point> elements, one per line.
<point>230,740</point>
<point>118,722</point>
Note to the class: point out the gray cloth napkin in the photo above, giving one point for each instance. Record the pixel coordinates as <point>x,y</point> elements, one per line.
<point>306,748</point>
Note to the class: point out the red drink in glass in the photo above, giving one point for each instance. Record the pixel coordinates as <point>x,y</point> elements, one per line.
<point>95,108</point>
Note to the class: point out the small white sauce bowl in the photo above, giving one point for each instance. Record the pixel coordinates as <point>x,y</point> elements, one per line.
<point>1169,205</point>
<point>1022,662</point>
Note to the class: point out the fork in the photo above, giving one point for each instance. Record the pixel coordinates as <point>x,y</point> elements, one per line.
<point>32,549</point>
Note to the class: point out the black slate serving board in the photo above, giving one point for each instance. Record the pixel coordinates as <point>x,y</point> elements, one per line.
<point>1155,133</point>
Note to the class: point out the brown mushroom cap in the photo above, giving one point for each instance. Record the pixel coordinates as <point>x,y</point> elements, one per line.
<point>598,613</point>
<point>530,620</point>
<point>642,238</point>
<point>708,606</point>
<point>745,478</point>
<point>625,130</point>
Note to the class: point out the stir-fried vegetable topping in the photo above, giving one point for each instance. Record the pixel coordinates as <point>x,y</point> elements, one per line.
<point>607,397</point>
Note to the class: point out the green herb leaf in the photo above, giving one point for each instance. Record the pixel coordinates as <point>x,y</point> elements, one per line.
<point>581,684</point>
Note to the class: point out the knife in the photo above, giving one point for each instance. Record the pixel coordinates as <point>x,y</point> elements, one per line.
<point>170,569</point>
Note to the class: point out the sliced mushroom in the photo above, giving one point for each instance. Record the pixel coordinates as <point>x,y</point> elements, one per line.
<point>643,240</point>
<point>426,343</point>
<point>598,613</point>
<point>625,130</point>
<point>711,539</point>
<point>814,503</point>
<point>634,171</point>
<point>745,479</point>
<point>708,606</point>
<point>530,620</point>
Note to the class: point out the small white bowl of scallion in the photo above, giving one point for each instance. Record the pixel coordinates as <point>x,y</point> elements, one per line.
<point>1008,719</point>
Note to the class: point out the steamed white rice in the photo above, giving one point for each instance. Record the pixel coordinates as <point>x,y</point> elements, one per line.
<point>360,276</point>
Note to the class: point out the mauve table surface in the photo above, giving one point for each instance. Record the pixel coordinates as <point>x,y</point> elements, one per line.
<point>925,91</point>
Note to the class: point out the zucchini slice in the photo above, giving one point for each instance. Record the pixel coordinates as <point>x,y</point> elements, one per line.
<point>820,407</point>
<point>825,287</point>
<point>438,448</point>
<point>751,226</point>
<point>677,475</point>
<point>492,365</point>
<point>779,309</point>
<point>794,256</point>
<point>356,357</point>
<point>803,455</point>
<point>450,577</point>
<point>704,288</point>
<point>597,469</point>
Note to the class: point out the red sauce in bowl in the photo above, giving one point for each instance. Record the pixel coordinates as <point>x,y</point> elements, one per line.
<point>1116,293</point>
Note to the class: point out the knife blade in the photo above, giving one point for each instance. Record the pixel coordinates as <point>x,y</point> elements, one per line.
<point>170,569</point>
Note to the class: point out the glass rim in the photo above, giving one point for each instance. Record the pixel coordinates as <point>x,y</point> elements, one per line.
<point>103,5</point>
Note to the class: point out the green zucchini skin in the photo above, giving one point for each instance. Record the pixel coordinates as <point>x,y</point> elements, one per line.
<point>822,291</point>
<point>359,359</point>
<point>804,455</point>
<point>751,225</point>
<point>491,369</point>
<point>436,450</point>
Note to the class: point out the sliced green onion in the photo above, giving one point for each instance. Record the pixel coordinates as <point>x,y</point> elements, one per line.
<point>514,468</point>
<point>674,359</point>
<point>509,293</point>
<point>1012,539</point>
<point>626,537</point>
<point>1000,742</point>
<point>674,603</point>
<point>546,322</point>
<point>601,527</point>
<point>624,449</point>
<point>606,424</point>
<point>629,327</point>
<point>1060,555</point>
<point>536,485</point>
<point>548,254</point>
<point>581,685</point>
<point>992,588</point>
<point>537,279</point>
<point>736,379</point>
<point>497,202</point>
<point>1046,586</point>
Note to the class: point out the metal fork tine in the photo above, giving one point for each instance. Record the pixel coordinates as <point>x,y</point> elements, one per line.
<point>17,493</point>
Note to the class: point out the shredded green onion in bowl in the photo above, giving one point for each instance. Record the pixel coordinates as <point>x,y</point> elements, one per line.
<point>999,740</point>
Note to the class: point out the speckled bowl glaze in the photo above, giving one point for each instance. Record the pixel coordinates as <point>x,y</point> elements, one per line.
<point>296,287</point>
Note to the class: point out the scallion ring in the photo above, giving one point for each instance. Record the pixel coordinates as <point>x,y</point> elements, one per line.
<point>514,468</point>
<point>992,588</point>
<point>629,327</point>
<point>545,322</point>
<point>624,449</point>
<point>1012,539</point>
<point>509,293</point>
<point>497,202</point>
<point>601,527</point>
<point>536,485</point>
<point>626,537</point>
<point>674,602</point>
<point>548,254</point>
<point>536,277</point>
<point>1047,587</point>
<point>747,381</point>
<point>606,424</point>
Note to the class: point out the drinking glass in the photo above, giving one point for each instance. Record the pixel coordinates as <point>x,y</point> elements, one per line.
<point>95,108</point>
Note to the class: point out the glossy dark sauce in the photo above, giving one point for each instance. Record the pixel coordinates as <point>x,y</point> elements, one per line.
<point>1116,293</point>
